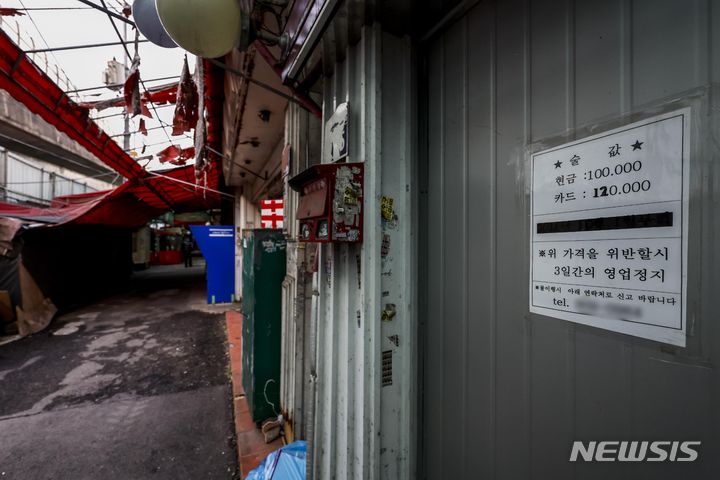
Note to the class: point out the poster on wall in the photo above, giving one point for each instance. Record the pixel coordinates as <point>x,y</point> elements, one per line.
<point>609,220</point>
<point>335,145</point>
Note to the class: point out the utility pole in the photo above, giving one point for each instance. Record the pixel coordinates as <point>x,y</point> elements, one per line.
<point>126,136</point>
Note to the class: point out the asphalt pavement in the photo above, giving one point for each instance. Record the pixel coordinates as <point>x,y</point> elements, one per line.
<point>135,386</point>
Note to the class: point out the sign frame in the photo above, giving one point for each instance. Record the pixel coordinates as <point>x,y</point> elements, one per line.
<point>568,220</point>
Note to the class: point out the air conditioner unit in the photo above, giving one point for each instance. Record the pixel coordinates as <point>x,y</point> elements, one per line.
<point>114,75</point>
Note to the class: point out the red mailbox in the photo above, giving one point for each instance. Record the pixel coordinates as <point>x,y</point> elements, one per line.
<point>331,202</point>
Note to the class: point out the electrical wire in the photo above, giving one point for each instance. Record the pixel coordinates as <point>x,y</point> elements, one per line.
<point>142,82</point>
<point>106,10</point>
<point>42,37</point>
<point>44,9</point>
<point>163,142</point>
<point>75,180</point>
<point>191,184</point>
<point>39,149</point>
<point>111,17</point>
<point>86,89</point>
<point>127,51</point>
<point>221,155</point>
<point>121,114</point>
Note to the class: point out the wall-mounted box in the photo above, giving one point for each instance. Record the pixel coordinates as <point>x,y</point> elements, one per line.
<point>331,202</point>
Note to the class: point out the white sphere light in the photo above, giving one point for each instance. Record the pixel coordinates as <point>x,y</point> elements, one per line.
<point>206,28</point>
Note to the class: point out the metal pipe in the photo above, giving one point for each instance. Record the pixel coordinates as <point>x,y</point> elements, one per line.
<point>77,90</point>
<point>108,11</point>
<point>235,163</point>
<point>302,101</point>
<point>78,47</point>
<point>132,133</point>
<point>126,120</point>
<point>150,145</point>
<point>121,114</point>
<point>191,184</point>
<point>40,9</point>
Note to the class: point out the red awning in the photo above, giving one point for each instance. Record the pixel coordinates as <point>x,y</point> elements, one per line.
<point>132,204</point>
<point>145,194</point>
<point>33,88</point>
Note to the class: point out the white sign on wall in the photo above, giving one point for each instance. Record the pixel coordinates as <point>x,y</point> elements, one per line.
<point>335,143</point>
<point>609,229</point>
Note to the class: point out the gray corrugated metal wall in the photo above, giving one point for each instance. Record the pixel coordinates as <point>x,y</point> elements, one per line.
<point>506,393</point>
<point>28,181</point>
<point>364,429</point>
<point>297,381</point>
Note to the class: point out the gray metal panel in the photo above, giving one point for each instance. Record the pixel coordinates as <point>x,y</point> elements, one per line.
<point>512,337</point>
<point>298,379</point>
<point>505,394</point>
<point>24,180</point>
<point>364,429</point>
<point>345,444</point>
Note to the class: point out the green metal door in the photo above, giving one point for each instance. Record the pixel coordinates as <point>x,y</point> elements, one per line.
<point>263,274</point>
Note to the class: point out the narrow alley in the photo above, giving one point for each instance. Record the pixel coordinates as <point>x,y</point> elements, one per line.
<point>450,239</point>
<point>135,386</point>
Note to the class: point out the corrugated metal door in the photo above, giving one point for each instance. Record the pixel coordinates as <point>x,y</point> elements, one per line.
<point>505,393</point>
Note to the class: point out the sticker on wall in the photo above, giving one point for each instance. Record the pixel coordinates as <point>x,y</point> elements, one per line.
<point>386,208</point>
<point>609,227</point>
<point>388,312</point>
<point>385,246</point>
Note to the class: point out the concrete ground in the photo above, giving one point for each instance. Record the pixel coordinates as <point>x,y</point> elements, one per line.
<point>133,387</point>
<point>252,448</point>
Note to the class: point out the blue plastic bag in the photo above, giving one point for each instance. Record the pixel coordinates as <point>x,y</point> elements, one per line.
<point>286,463</point>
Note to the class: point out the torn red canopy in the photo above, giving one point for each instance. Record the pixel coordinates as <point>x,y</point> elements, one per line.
<point>165,94</point>
<point>131,89</point>
<point>130,205</point>
<point>10,12</point>
<point>186,105</point>
<point>214,77</point>
<point>176,155</point>
<point>161,95</point>
<point>25,82</point>
<point>34,89</point>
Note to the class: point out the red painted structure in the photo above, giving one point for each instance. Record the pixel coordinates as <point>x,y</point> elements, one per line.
<point>130,205</point>
<point>145,195</point>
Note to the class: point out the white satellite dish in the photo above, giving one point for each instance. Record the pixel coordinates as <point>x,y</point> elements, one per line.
<point>147,21</point>
<point>206,28</point>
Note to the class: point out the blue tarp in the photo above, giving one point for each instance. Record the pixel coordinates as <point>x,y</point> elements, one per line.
<point>286,463</point>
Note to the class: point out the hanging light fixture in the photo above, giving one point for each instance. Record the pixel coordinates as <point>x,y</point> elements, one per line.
<point>206,28</point>
<point>147,21</point>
